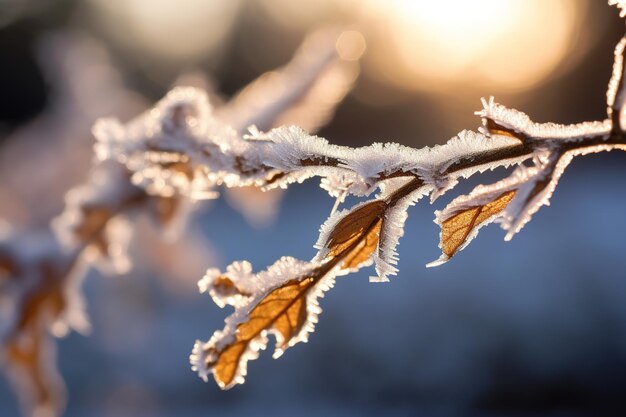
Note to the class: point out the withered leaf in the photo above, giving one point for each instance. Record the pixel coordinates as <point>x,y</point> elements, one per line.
<point>355,237</point>
<point>283,310</point>
<point>365,248</point>
<point>456,229</point>
<point>31,366</point>
<point>28,350</point>
<point>94,225</point>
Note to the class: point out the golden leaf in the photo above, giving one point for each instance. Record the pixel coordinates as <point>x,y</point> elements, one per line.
<point>365,248</point>
<point>283,310</point>
<point>29,350</point>
<point>30,360</point>
<point>456,229</point>
<point>355,237</point>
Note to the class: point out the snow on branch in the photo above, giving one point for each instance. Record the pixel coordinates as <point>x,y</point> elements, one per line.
<point>190,156</point>
<point>39,298</point>
<point>367,233</point>
<point>40,275</point>
<point>183,149</point>
<point>283,301</point>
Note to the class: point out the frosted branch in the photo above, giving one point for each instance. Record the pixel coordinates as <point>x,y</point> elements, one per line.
<point>183,149</point>
<point>40,290</point>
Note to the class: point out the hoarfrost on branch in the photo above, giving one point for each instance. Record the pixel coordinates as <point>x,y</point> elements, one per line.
<point>183,150</point>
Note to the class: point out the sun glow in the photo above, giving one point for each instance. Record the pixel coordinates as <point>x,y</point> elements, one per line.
<point>513,43</point>
<point>412,44</point>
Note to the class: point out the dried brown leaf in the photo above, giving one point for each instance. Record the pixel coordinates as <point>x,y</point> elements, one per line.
<point>355,237</point>
<point>30,361</point>
<point>29,350</point>
<point>365,248</point>
<point>456,230</point>
<point>283,310</point>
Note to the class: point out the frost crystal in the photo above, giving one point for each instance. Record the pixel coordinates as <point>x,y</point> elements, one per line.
<point>183,150</point>
<point>521,124</point>
<point>205,356</point>
<point>536,186</point>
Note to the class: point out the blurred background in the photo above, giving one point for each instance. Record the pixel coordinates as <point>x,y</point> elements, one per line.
<point>536,326</point>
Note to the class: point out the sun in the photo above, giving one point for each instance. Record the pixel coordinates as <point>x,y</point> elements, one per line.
<point>513,43</point>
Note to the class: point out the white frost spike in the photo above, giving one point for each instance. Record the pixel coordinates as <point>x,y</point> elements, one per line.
<point>427,162</point>
<point>185,109</point>
<point>523,206</point>
<point>240,274</point>
<point>287,146</point>
<point>262,283</point>
<point>171,152</point>
<point>539,180</point>
<point>340,185</point>
<point>520,122</point>
<point>178,147</point>
<point>481,195</point>
<point>184,112</point>
<point>386,256</point>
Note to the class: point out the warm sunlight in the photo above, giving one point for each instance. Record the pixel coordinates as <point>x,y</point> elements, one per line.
<point>415,44</point>
<point>514,43</point>
<point>193,187</point>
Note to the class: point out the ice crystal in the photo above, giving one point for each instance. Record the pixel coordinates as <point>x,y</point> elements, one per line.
<point>205,355</point>
<point>184,149</point>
